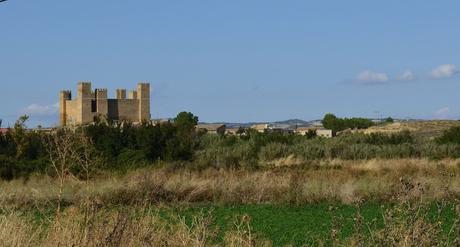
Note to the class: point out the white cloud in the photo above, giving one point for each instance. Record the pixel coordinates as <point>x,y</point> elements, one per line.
<point>443,113</point>
<point>370,77</point>
<point>406,76</point>
<point>444,71</point>
<point>36,109</point>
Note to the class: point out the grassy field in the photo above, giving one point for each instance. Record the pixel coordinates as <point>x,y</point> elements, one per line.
<point>412,202</point>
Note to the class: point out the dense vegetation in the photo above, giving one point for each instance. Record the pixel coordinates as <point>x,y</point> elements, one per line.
<point>124,146</point>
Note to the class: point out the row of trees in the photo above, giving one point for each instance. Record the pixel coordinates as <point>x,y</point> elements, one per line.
<point>117,146</point>
<point>330,121</point>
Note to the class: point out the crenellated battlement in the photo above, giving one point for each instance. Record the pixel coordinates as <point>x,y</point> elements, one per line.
<point>88,104</point>
<point>132,94</point>
<point>66,94</point>
<point>121,93</point>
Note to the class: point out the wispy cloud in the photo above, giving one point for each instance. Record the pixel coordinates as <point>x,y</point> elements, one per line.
<point>407,75</point>
<point>371,77</point>
<point>444,71</point>
<point>443,113</point>
<point>41,110</point>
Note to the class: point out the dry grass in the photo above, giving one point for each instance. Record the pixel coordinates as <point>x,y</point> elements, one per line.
<point>78,227</point>
<point>341,181</point>
<point>424,128</point>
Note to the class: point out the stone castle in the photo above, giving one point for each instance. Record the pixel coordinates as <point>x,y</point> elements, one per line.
<point>89,104</point>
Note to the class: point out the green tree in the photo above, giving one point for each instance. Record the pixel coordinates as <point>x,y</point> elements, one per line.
<point>19,136</point>
<point>186,121</point>
<point>182,147</point>
<point>330,121</point>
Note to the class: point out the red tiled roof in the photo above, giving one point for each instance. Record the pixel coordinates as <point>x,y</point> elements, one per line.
<point>3,130</point>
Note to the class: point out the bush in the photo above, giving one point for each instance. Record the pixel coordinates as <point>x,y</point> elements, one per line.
<point>273,151</point>
<point>392,139</point>
<point>451,135</point>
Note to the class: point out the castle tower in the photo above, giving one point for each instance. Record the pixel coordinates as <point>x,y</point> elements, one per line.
<point>102,103</point>
<point>143,96</point>
<point>121,93</point>
<point>63,97</point>
<point>84,103</point>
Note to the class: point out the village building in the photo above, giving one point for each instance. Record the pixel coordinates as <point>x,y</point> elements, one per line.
<point>321,132</point>
<point>162,121</point>
<point>90,104</point>
<point>212,128</point>
<point>304,130</point>
<point>232,131</point>
<point>261,127</point>
<point>281,128</point>
<point>325,133</point>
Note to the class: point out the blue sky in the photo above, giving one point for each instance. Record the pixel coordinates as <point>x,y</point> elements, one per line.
<point>236,60</point>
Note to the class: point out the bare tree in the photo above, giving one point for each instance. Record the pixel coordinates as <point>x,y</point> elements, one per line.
<point>60,146</point>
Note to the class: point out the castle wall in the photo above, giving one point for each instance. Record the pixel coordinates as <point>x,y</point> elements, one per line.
<point>124,109</point>
<point>71,111</point>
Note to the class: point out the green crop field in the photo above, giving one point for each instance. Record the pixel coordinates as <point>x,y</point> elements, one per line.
<point>281,225</point>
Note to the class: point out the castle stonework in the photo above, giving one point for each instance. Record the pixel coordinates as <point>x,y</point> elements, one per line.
<point>89,104</point>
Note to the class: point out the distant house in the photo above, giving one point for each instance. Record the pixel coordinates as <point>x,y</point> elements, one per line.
<point>261,127</point>
<point>232,131</point>
<point>212,128</point>
<point>325,133</point>
<point>282,128</point>
<point>3,130</point>
<point>162,121</point>
<point>304,130</point>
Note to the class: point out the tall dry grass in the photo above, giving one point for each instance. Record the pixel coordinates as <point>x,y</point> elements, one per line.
<point>76,227</point>
<point>336,180</point>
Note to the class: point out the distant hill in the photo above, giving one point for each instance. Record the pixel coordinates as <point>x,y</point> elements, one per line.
<point>290,123</point>
<point>298,122</point>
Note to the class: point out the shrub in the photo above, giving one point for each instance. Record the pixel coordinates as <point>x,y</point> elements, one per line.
<point>451,135</point>
<point>392,139</point>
